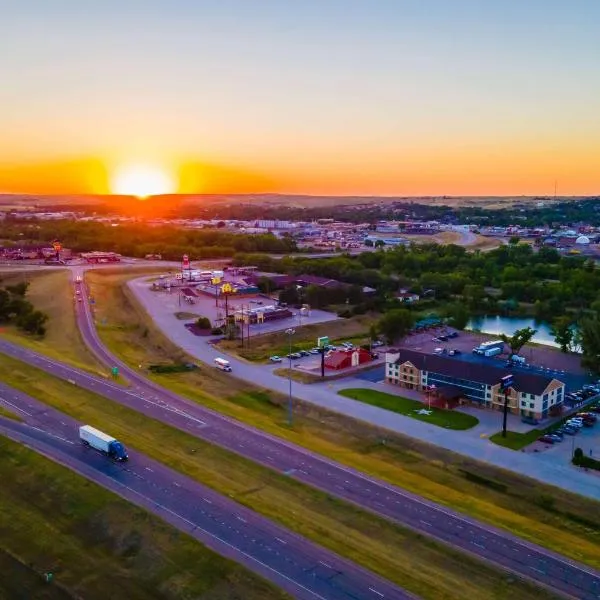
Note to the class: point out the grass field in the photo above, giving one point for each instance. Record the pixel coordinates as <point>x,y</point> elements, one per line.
<point>355,330</point>
<point>51,292</point>
<point>99,546</point>
<point>515,440</point>
<point>429,569</point>
<point>449,419</point>
<point>543,514</point>
<point>5,412</point>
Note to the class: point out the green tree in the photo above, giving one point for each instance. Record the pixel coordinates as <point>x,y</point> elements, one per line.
<point>33,322</point>
<point>458,315</point>
<point>589,331</point>
<point>518,339</point>
<point>564,335</point>
<point>395,324</point>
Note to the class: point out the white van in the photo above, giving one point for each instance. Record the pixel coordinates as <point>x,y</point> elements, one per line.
<point>222,364</point>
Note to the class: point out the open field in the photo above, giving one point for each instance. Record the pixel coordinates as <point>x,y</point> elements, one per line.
<point>429,569</point>
<point>97,545</point>
<point>566,523</point>
<point>50,292</point>
<point>449,419</point>
<point>355,330</point>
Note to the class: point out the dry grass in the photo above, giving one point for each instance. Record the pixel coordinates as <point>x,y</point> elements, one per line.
<point>542,514</point>
<point>99,546</point>
<point>262,347</point>
<point>51,292</point>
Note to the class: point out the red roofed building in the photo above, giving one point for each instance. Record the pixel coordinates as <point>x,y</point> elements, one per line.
<point>343,359</point>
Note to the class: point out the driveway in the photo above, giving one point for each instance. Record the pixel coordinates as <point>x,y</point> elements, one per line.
<point>325,394</point>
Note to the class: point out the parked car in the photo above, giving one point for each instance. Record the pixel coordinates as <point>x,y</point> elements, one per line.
<point>453,334</point>
<point>555,437</point>
<point>377,343</point>
<point>295,355</point>
<point>314,351</point>
<point>276,359</point>
<point>546,439</point>
<point>304,353</point>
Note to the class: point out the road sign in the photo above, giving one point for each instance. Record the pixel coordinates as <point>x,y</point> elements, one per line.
<point>323,342</point>
<point>115,371</point>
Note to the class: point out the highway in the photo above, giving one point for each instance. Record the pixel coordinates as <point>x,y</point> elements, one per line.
<point>496,546</point>
<point>298,566</point>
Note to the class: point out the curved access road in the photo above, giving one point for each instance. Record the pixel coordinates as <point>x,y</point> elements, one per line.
<point>300,567</point>
<point>496,546</point>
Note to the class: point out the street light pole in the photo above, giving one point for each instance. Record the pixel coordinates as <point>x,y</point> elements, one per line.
<point>290,332</point>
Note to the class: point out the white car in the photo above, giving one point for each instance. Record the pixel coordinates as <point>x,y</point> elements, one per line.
<point>276,359</point>
<point>377,343</point>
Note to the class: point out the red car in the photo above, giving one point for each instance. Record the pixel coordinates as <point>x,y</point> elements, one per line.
<point>546,439</point>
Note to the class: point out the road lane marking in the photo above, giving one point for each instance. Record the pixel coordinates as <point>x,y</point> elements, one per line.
<point>325,564</point>
<point>280,540</point>
<point>376,592</point>
<point>15,407</point>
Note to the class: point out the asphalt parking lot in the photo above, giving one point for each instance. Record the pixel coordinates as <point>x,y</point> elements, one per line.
<point>588,439</point>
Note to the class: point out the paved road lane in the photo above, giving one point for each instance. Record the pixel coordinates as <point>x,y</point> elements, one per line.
<point>302,568</point>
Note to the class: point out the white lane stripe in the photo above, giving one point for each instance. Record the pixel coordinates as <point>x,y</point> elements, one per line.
<point>5,401</point>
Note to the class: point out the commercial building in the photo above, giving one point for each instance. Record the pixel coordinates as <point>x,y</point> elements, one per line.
<point>533,396</point>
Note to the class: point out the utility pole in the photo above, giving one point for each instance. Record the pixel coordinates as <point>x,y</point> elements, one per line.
<point>505,385</point>
<point>290,332</point>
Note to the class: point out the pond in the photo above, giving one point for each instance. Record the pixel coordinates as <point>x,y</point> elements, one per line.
<point>508,325</point>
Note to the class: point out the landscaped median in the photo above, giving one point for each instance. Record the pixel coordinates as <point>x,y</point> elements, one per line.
<point>449,419</point>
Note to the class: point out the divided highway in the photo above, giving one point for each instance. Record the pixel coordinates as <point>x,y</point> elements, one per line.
<point>497,546</point>
<point>300,567</point>
<point>485,542</point>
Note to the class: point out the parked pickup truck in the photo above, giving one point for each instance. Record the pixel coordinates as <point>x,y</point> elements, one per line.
<point>102,442</point>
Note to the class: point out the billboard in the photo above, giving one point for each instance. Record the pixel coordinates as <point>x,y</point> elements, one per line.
<point>185,262</point>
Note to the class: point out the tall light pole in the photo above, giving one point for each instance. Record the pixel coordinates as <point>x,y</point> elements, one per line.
<point>290,332</point>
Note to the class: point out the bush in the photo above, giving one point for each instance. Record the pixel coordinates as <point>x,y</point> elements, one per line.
<point>217,331</point>
<point>587,462</point>
<point>344,314</point>
<point>203,323</point>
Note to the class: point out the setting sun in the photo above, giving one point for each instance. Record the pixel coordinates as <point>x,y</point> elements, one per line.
<point>141,181</point>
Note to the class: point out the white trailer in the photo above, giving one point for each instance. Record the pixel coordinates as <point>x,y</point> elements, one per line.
<point>492,352</point>
<point>104,443</point>
<point>222,364</point>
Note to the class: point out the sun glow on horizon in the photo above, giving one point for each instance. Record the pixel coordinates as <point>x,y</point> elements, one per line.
<point>142,181</point>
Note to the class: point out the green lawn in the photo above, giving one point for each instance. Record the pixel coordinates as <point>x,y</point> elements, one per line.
<point>99,546</point>
<point>449,419</point>
<point>515,440</point>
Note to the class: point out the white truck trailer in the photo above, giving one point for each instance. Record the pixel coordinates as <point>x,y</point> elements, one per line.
<point>104,443</point>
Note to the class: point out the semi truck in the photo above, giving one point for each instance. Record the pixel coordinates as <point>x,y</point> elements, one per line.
<point>104,443</point>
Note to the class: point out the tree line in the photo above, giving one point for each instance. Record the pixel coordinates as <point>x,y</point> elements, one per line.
<point>16,309</point>
<point>513,280</point>
<point>139,240</point>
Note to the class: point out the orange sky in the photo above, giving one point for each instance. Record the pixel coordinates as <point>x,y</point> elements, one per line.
<point>343,98</point>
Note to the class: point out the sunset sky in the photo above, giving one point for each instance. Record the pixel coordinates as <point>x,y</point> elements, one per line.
<point>381,97</point>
